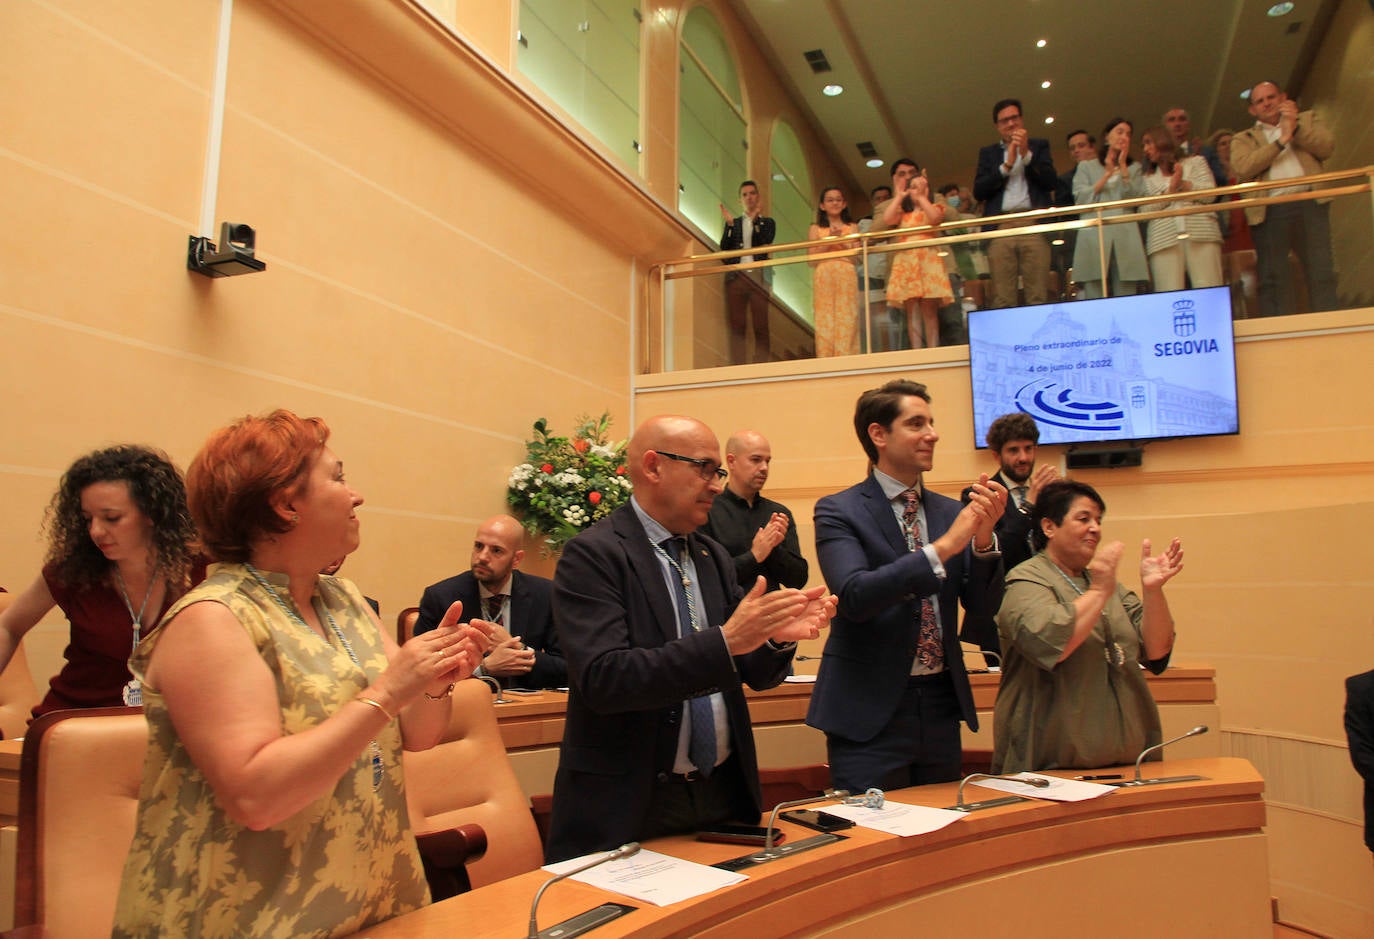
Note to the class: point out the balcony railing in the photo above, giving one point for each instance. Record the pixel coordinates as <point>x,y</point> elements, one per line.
<point>687,324</point>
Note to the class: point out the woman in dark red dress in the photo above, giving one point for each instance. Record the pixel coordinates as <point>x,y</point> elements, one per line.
<point>121,550</point>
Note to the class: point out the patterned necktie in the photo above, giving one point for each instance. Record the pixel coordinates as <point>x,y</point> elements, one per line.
<point>701,745</point>
<point>1021,492</point>
<point>495,605</point>
<point>930,651</point>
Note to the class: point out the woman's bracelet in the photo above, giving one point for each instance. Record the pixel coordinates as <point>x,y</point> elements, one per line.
<point>373,703</point>
<point>448,693</point>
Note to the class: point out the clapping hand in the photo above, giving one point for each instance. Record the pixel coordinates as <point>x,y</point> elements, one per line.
<point>1155,572</point>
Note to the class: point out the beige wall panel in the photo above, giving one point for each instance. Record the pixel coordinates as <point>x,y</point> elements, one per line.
<point>487,24</point>
<point>1321,873</point>
<point>124,99</point>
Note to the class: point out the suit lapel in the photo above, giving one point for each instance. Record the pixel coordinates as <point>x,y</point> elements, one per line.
<point>881,511</point>
<point>647,570</point>
<point>519,604</point>
<point>712,592</point>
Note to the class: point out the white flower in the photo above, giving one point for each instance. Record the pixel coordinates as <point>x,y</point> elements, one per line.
<point>601,450</point>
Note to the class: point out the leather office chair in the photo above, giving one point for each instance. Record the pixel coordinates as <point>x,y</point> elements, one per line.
<point>78,796</point>
<point>405,624</point>
<point>467,779</point>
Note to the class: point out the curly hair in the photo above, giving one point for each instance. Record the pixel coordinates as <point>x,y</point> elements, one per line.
<point>156,487</point>
<point>1009,427</point>
<point>234,478</point>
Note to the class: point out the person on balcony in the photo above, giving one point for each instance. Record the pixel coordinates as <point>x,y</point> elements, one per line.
<point>1286,143</point>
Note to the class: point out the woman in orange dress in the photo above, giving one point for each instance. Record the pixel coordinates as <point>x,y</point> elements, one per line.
<point>834,282</point>
<point>917,281</point>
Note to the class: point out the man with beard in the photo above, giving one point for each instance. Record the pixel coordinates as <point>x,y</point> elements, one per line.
<point>759,533</point>
<point>525,651</point>
<point>1013,438</point>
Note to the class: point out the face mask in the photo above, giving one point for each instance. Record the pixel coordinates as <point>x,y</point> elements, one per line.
<point>953,201</point>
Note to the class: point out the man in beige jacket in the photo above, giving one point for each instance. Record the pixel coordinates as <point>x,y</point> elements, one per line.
<point>1285,144</point>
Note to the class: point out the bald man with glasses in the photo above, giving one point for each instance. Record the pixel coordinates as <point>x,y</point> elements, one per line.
<point>660,639</point>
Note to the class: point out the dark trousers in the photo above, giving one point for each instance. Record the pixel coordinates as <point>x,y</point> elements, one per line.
<point>1305,227</point>
<point>745,297</point>
<point>680,805</point>
<point>919,745</point>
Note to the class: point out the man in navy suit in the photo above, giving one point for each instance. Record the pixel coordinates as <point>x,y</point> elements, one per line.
<point>660,639</point>
<point>746,292</point>
<point>525,651</point>
<point>1016,175</point>
<point>1359,732</point>
<point>892,687</point>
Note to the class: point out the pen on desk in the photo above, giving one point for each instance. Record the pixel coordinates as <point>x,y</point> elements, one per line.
<point>1103,776</point>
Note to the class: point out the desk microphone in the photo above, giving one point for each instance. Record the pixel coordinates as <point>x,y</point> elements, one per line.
<point>624,851</point>
<point>1199,729</point>
<point>830,795</point>
<point>962,806</point>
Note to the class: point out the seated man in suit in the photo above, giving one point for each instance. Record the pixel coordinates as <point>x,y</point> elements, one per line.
<point>1359,732</point>
<point>660,640</point>
<point>525,652</point>
<point>892,687</point>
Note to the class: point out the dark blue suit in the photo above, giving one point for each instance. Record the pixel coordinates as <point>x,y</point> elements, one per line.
<point>630,674</point>
<point>531,618</point>
<point>989,185</point>
<point>867,661</point>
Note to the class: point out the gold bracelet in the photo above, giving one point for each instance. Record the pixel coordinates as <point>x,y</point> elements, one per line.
<point>372,703</point>
<point>448,693</point>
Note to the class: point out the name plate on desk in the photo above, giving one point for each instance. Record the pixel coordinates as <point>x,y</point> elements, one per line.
<point>779,851</point>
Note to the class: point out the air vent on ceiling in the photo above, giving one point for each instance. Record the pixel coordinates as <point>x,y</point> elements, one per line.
<point>817,60</point>
<point>866,149</point>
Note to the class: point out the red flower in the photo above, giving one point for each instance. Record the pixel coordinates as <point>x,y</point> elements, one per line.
<point>594,497</point>
<point>546,468</point>
<point>620,471</point>
<point>581,445</point>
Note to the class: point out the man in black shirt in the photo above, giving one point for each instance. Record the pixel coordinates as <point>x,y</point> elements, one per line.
<point>759,533</point>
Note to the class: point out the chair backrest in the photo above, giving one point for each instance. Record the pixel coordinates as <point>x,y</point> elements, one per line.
<point>405,624</point>
<point>79,778</point>
<point>18,695</point>
<point>468,778</point>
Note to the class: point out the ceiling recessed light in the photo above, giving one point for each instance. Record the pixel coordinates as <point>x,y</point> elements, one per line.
<point>1045,83</point>
<point>831,91</point>
<point>1050,119</point>
<point>1041,43</point>
<point>1281,9</point>
<point>875,163</point>
<point>1058,242</point>
<point>1245,95</point>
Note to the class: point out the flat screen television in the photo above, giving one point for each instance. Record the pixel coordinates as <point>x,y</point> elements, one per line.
<point>1120,369</point>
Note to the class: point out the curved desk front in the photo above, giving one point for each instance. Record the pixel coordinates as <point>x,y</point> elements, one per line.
<point>532,724</point>
<point>1178,860</point>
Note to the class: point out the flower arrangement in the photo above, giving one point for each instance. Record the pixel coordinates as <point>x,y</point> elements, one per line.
<point>567,483</point>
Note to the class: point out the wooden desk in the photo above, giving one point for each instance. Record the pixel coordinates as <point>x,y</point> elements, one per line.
<point>532,724</point>
<point>1180,860</point>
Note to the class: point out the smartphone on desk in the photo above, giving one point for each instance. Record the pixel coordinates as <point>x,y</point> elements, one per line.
<point>816,820</point>
<point>752,835</point>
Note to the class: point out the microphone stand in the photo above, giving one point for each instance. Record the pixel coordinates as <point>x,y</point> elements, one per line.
<point>593,917</point>
<point>830,795</point>
<point>962,806</point>
<point>495,686</point>
<point>1131,784</point>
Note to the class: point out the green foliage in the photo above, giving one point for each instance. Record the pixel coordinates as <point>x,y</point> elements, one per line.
<point>567,483</point>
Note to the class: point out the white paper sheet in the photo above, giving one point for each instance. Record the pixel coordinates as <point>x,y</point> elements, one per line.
<point>896,818</point>
<point>649,876</point>
<point>801,679</point>
<point>1058,790</point>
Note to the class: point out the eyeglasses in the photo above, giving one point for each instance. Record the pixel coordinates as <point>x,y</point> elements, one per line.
<point>706,469</point>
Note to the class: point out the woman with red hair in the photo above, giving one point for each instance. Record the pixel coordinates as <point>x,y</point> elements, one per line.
<point>273,801</point>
